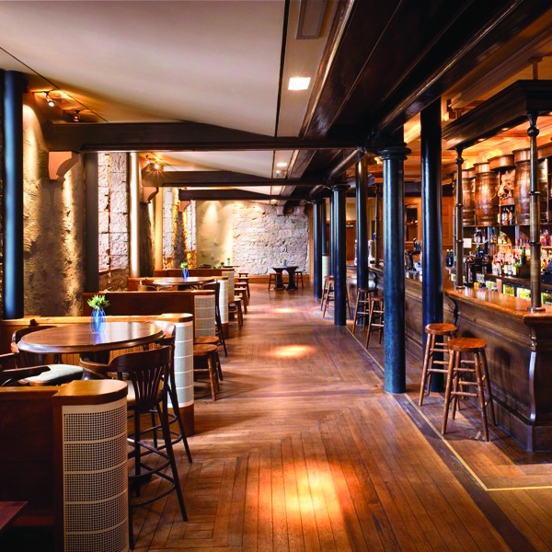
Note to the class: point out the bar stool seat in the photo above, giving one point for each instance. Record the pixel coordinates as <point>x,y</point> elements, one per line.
<point>375,317</point>
<point>463,375</point>
<point>435,348</point>
<point>205,363</point>
<point>211,340</point>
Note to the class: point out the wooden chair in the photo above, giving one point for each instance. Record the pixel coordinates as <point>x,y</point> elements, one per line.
<point>57,372</point>
<point>215,286</point>
<point>271,280</point>
<point>146,371</point>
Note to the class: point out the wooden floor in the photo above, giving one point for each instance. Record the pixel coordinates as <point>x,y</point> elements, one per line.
<point>304,451</point>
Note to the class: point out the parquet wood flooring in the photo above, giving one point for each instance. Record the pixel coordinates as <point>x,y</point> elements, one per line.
<point>303,451</point>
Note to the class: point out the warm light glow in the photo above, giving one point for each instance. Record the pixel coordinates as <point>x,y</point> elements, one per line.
<point>292,351</point>
<point>282,164</point>
<point>299,83</point>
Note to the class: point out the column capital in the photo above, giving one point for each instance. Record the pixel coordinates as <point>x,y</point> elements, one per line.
<point>395,153</point>
<point>340,186</point>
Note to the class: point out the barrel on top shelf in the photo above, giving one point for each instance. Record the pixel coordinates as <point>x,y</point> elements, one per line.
<point>522,160</point>
<point>468,197</point>
<point>486,197</point>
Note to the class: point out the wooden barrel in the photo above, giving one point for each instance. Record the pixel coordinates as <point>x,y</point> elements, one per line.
<point>468,197</point>
<point>486,198</point>
<point>522,191</point>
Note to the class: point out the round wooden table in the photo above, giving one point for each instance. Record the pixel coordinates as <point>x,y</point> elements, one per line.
<point>183,283</point>
<point>80,338</point>
<point>280,281</point>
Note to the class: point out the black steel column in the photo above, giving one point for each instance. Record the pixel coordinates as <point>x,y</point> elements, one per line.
<point>432,237</point>
<point>92,281</point>
<point>393,266</point>
<point>332,235</point>
<point>340,255</point>
<point>534,216</point>
<point>362,222</point>
<point>459,226</point>
<point>12,176</point>
<point>318,239</point>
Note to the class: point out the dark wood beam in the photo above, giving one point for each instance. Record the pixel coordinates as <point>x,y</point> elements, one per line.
<point>225,195</point>
<point>508,108</point>
<point>217,179</point>
<point>88,137</point>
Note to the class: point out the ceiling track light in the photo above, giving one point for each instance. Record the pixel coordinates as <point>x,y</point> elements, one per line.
<point>49,100</point>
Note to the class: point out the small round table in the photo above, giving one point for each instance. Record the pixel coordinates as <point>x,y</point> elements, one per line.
<point>280,281</point>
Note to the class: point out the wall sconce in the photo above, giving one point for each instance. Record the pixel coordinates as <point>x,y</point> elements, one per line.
<point>76,116</point>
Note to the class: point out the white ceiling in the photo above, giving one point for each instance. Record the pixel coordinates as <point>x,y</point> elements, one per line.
<point>207,61</point>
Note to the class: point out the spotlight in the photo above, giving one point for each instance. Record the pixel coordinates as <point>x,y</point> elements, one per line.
<point>49,99</point>
<point>76,116</point>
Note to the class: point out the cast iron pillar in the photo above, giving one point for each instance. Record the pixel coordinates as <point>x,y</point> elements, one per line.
<point>92,275</point>
<point>332,236</point>
<point>362,222</point>
<point>393,266</point>
<point>432,237</point>
<point>459,226</point>
<point>319,238</point>
<point>340,274</point>
<point>12,176</point>
<point>534,216</point>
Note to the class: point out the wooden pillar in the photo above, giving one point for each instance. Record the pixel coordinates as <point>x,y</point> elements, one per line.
<point>362,222</point>
<point>393,262</point>
<point>459,226</point>
<point>319,238</point>
<point>534,217</point>
<point>92,279</point>
<point>340,253</point>
<point>12,176</point>
<point>432,241</point>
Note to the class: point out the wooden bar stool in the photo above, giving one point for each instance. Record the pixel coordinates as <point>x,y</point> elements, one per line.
<point>298,276</point>
<point>243,278</point>
<point>271,280</point>
<point>465,374</point>
<point>362,304</point>
<point>375,317</point>
<point>434,347</point>
<point>205,363</point>
<point>328,294</point>
<point>211,340</point>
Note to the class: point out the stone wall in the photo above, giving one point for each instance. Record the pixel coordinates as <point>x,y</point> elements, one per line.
<point>54,226</point>
<point>252,235</point>
<point>113,222</point>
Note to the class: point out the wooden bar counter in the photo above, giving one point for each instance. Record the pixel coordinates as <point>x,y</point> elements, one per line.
<point>519,353</point>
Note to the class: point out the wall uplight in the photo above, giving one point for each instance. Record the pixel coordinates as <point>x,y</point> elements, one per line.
<point>299,83</point>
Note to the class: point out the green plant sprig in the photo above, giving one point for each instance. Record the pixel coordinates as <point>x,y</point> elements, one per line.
<point>98,302</point>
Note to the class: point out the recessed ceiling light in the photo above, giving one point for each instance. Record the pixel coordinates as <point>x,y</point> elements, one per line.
<point>281,164</point>
<point>299,83</point>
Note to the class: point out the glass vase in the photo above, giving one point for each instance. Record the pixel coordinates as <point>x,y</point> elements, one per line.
<point>97,319</point>
<point>185,273</point>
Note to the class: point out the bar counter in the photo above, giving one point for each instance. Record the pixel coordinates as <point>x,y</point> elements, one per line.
<point>519,353</point>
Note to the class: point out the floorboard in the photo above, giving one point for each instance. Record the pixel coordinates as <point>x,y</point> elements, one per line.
<point>304,451</point>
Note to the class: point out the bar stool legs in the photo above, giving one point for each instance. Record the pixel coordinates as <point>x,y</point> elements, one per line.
<point>431,364</point>
<point>362,306</point>
<point>464,375</point>
<point>375,318</point>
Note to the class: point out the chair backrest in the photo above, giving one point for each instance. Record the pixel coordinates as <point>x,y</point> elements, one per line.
<point>146,370</point>
<point>31,359</point>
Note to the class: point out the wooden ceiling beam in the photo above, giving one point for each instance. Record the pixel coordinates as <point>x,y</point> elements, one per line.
<point>90,137</point>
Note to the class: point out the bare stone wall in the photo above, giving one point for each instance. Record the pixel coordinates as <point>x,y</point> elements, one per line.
<point>54,226</point>
<point>113,227</point>
<point>253,235</point>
